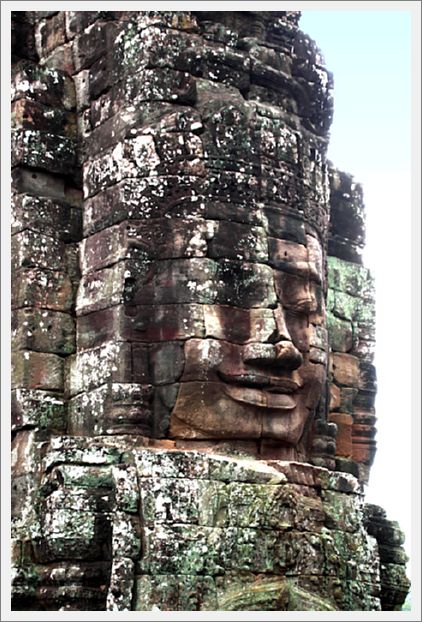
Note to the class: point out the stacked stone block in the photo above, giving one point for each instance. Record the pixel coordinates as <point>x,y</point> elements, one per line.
<point>390,538</point>
<point>351,329</point>
<point>46,226</point>
<point>165,163</point>
<point>172,530</point>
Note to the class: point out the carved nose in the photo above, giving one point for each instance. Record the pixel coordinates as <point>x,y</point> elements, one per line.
<point>283,355</point>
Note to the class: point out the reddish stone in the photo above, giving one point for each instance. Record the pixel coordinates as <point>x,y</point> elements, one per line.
<point>61,58</point>
<point>239,325</point>
<point>50,33</point>
<point>334,397</point>
<point>29,114</point>
<point>345,369</point>
<point>344,424</point>
<point>37,370</point>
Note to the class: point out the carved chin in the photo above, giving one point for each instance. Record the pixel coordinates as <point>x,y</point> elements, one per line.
<point>215,410</point>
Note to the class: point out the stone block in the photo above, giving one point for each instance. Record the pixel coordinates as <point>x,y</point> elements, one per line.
<point>43,331</point>
<point>334,397</point>
<point>36,249</point>
<point>61,58</point>
<point>244,284</point>
<point>167,362</point>
<point>141,366</point>
<point>71,527</point>
<point>239,325</point>
<point>50,33</point>
<point>120,593</point>
<point>340,333</point>
<point>126,488</point>
<point>344,424</point>
<point>38,409</point>
<point>47,86</point>
<point>50,217</point>
<point>175,593</point>
<point>37,370</point>
<point>237,241</point>
<point>345,369</point>
<point>37,183</point>
<point>117,408</point>
<point>121,283</point>
<point>368,376</point>
<point>126,537</point>
<point>77,21</point>
<point>143,156</point>
<point>37,287</point>
<point>93,43</point>
<point>111,362</point>
<point>43,150</point>
<point>28,114</point>
<point>164,400</point>
<point>145,198</point>
<point>140,323</point>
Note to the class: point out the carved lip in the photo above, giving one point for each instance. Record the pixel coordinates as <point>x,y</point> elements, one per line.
<point>260,397</point>
<point>271,384</point>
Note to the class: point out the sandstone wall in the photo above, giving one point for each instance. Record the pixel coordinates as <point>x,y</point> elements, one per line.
<point>147,147</point>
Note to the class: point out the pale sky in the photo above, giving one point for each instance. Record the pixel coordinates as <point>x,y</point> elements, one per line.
<point>369,53</point>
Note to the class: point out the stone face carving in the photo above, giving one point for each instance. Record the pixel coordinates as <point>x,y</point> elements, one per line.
<point>193,397</point>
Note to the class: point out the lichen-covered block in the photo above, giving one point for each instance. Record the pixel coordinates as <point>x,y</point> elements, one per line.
<point>91,368</point>
<point>29,114</point>
<point>340,333</point>
<point>38,409</point>
<point>31,248</point>
<point>47,216</point>
<point>145,198</point>
<point>38,287</point>
<point>93,42</point>
<point>46,86</point>
<point>43,331</point>
<point>175,592</point>
<point>43,150</point>
<point>117,408</point>
<point>71,527</point>
<point>118,284</point>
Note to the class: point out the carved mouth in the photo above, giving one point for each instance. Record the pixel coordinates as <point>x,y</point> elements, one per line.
<point>260,397</point>
<point>261,391</point>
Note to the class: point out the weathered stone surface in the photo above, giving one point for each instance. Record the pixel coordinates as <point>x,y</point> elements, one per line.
<point>47,86</point>
<point>38,409</point>
<point>43,150</point>
<point>31,248</point>
<point>37,370</point>
<point>116,408</point>
<point>345,369</point>
<point>221,393</point>
<point>43,331</point>
<point>96,366</point>
<point>38,287</point>
<point>52,218</point>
